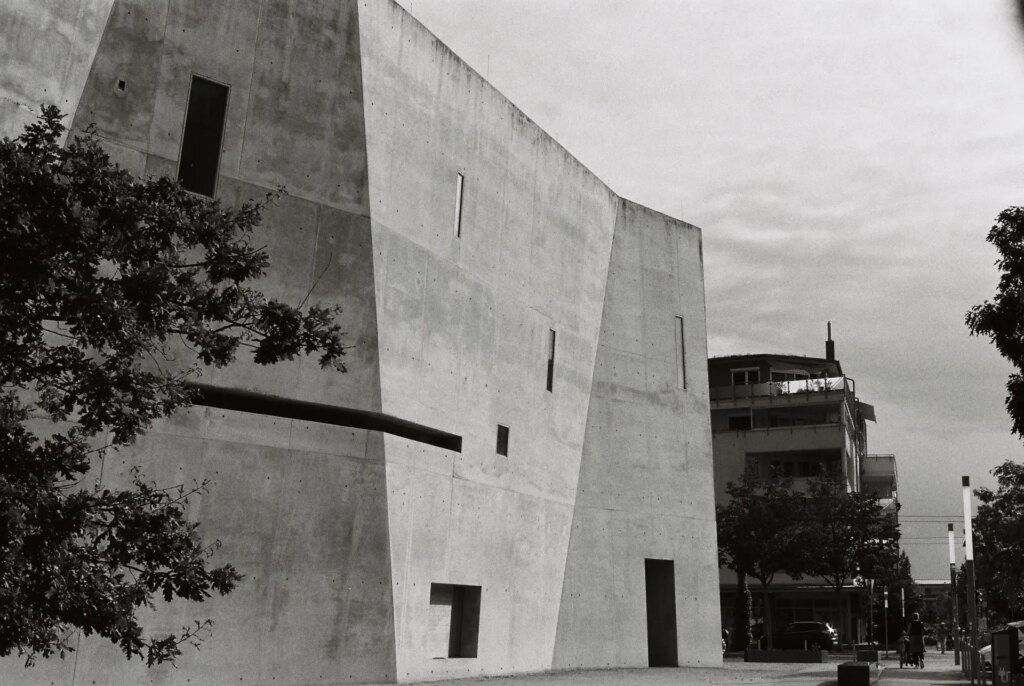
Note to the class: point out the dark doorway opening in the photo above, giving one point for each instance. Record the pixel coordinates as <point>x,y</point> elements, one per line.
<point>662,644</point>
<point>464,631</point>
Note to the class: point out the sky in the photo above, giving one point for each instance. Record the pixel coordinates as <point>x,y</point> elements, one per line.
<point>845,162</point>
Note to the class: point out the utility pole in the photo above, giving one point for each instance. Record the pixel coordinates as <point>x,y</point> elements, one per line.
<point>972,604</point>
<point>954,626</point>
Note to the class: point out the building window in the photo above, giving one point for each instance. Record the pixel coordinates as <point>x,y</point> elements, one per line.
<point>680,352</point>
<point>745,377</point>
<point>739,423</point>
<point>458,205</point>
<point>464,627</point>
<point>551,359</point>
<point>502,440</point>
<point>789,376</point>
<point>201,141</point>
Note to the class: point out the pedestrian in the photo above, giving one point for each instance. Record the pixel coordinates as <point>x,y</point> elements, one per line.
<point>941,635</point>
<point>915,640</point>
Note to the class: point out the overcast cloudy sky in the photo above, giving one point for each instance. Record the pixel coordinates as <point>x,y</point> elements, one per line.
<point>845,161</point>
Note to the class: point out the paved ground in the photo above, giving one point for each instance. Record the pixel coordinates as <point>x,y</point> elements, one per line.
<point>939,671</point>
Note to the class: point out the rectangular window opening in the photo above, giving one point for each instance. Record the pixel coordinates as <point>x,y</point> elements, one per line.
<point>459,179</point>
<point>201,141</point>
<point>464,618</point>
<point>745,377</point>
<point>739,423</point>
<point>502,440</point>
<point>551,361</point>
<point>681,351</point>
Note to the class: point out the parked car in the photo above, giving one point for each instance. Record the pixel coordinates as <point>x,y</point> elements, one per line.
<point>800,634</point>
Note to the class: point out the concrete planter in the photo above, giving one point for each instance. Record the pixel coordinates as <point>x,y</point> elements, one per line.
<point>755,655</point>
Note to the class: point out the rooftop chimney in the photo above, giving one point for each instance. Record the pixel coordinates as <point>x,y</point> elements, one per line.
<point>830,346</point>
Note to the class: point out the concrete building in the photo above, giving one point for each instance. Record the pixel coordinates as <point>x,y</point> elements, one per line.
<point>796,415</point>
<point>515,474</point>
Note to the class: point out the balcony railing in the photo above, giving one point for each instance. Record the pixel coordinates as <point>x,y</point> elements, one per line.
<point>783,388</point>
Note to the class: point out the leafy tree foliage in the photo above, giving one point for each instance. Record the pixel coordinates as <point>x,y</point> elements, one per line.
<point>849,533</point>
<point>999,541</point>
<point>1002,318</point>
<point>769,528</point>
<point>100,272</point>
<point>759,534</point>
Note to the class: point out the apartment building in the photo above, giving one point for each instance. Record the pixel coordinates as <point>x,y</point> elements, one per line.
<point>797,416</point>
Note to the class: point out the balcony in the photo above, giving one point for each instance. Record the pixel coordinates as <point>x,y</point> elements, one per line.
<point>782,389</point>
<point>810,437</point>
<point>879,478</point>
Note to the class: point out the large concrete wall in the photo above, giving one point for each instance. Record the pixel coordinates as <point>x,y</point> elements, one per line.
<point>645,485</point>
<point>300,507</point>
<point>47,47</point>
<point>464,325</point>
<point>367,119</point>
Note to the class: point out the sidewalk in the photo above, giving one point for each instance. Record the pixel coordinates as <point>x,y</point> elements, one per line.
<point>939,671</point>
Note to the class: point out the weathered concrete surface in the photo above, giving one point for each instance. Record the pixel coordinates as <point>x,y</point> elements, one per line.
<point>47,47</point>
<point>367,119</point>
<point>464,325</point>
<point>300,508</point>
<point>645,490</point>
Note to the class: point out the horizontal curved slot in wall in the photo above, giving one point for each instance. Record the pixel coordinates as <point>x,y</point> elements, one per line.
<point>274,406</point>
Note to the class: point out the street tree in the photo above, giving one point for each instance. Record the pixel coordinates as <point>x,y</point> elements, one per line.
<point>759,535</point>
<point>100,274</point>
<point>848,533</point>
<point>999,541</point>
<point>1002,318</point>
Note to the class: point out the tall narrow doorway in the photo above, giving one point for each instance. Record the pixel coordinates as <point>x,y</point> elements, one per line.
<point>662,645</point>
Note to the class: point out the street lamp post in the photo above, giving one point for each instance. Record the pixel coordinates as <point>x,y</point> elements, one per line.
<point>972,607</point>
<point>871,611</point>
<point>885,616</point>
<point>954,626</point>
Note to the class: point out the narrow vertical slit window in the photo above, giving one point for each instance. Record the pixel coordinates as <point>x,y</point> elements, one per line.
<point>502,447</point>
<point>681,352</point>
<point>458,205</point>
<point>201,140</point>
<point>551,359</point>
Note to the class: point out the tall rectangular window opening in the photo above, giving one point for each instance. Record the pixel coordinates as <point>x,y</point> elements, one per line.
<point>681,352</point>
<point>458,205</point>
<point>502,447</point>
<point>551,359</point>
<point>201,140</point>
<point>464,626</point>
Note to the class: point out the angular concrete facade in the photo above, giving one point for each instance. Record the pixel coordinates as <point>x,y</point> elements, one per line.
<point>355,542</point>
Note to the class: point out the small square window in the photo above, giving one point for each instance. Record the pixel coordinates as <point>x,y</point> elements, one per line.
<point>502,440</point>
